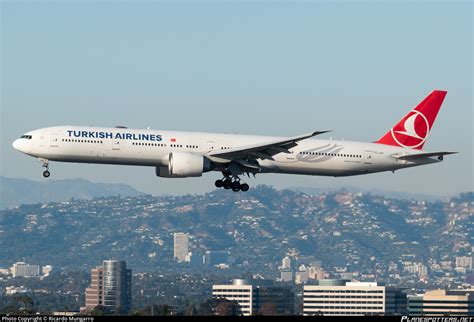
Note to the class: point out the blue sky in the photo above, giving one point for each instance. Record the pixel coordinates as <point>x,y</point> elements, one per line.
<point>276,68</point>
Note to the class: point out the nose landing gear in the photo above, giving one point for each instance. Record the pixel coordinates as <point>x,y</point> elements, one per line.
<point>46,172</point>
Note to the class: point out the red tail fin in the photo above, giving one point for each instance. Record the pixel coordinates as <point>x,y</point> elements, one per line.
<point>412,130</point>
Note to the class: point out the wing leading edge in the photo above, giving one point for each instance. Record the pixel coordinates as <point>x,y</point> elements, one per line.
<point>265,150</point>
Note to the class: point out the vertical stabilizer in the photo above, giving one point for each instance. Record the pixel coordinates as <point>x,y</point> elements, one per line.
<point>413,129</point>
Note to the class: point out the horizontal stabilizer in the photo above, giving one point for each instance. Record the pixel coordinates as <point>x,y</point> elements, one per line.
<point>422,155</point>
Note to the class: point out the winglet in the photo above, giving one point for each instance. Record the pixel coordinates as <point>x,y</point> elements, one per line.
<point>320,132</point>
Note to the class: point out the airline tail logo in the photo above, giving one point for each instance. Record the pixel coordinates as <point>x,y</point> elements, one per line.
<point>412,130</point>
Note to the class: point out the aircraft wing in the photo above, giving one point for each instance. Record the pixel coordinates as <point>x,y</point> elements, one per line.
<point>411,157</point>
<point>265,150</point>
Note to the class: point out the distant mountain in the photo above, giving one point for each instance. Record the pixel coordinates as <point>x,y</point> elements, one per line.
<point>14,192</point>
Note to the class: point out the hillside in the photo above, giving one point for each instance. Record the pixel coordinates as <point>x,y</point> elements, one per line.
<point>14,192</point>
<point>351,232</point>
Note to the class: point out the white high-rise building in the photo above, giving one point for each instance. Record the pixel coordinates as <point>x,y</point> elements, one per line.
<point>417,268</point>
<point>316,273</point>
<point>286,263</point>
<point>339,297</point>
<point>181,246</point>
<point>22,269</point>
<point>241,291</point>
<point>46,270</point>
<point>464,262</point>
<point>301,276</point>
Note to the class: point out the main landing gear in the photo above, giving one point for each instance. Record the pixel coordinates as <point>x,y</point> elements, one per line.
<point>232,183</point>
<point>46,172</point>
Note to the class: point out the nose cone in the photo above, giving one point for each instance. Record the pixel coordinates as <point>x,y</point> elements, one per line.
<point>16,144</point>
<point>21,145</point>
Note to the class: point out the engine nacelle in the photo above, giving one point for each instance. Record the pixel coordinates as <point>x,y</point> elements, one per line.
<point>183,164</point>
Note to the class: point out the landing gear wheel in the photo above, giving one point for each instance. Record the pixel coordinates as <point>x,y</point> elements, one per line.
<point>236,189</point>
<point>244,187</point>
<point>236,186</point>
<point>219,183</point>
<point>46,174</point>
<point>227,184</point>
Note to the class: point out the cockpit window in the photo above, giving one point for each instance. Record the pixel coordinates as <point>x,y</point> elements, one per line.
<point>28,137</point>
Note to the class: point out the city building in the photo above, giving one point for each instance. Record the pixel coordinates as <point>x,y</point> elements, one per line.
<point>253,297</point>
<point>213,258</point>
<point>286,263</point>
<point>464,262</point>
<point>446,265</point>
<point>45,270</point>
<point>279,299</point>
<point>241,291</point>
<point>181,246</point>
<point>194,259</point>
<point>442,302</point>
<point>4,271</point>
<point>111,287</point>
<point>316,273</point>
<point>12,290</point>
<point>65,313</point>
<point>343,276</point>
<point>22,269</point>
<point>286,276</point>
<point>417,268</point>
<point>94,294</point>
<point>117,286</point>
<point>301,276</point>
<point>341,297</point>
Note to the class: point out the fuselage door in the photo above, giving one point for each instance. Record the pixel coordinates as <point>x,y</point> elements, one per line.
<point>54,139</point>
<point>367,157</point>
<point>211,145</point>
<point>115,144</point>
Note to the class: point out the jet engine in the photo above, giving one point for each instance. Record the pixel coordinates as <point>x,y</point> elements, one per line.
<point>183,164</point>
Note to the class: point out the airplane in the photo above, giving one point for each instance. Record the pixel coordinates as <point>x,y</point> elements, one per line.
<point>177,154</point>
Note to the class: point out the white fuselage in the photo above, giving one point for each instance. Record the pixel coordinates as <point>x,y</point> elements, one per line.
<point>145,147</point>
